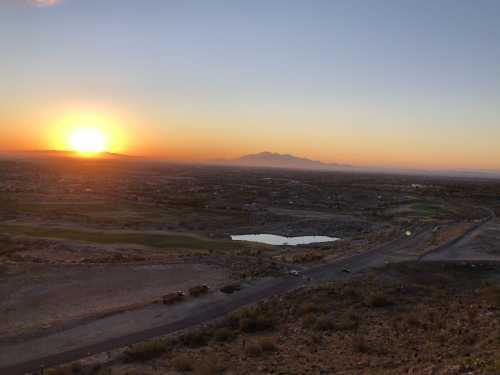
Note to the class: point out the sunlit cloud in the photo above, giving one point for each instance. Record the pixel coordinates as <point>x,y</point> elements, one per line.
<point>45,3</point>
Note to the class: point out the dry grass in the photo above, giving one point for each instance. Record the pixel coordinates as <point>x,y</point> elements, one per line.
<point>146,351</point>
<point>224,335</point>
<point>207,366</point>
<point>253,350</point>
<point>182,363</point>
<point>360,345</point>
<point>380,300</point>
<point>254,320</point>
<point>324,323</point>
<point>341,326</point>
<point>267,344</point>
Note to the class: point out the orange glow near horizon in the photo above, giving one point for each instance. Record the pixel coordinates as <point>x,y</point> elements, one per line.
<point>86,133</point>
<point>179,136</point>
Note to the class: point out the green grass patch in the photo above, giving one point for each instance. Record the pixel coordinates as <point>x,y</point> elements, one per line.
<point>163,241</point>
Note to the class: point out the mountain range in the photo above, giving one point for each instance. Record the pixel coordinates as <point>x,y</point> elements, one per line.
<point>276,160</point>
<point>266,160</point>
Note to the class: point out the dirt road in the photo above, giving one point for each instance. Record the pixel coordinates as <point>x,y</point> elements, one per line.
<point>21,356</point>
<point>478,244</point>
<point>156,320</point>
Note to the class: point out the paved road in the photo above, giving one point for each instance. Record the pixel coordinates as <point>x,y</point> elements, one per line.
<point>460,248</point>
<point>210,309</point>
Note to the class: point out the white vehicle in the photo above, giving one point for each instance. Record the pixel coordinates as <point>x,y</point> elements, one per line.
<point>294,273</point>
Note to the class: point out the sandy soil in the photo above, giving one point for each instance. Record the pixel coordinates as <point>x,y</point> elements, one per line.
<point>36,295</point>
<point>410,318</point>
<point>481,244</point>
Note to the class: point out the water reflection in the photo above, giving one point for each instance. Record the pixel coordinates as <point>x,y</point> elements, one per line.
<point>272,239</point>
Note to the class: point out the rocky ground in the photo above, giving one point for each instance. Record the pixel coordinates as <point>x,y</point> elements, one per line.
<point>37,296</point>
<point>80,239</point>
<point>410,318</point>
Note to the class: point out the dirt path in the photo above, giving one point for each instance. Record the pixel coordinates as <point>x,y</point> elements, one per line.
<point>155,320</point>
<point>48,295</point>
<point>465,247</point>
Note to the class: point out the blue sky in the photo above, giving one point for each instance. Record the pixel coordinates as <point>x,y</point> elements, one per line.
<point>369,82</point>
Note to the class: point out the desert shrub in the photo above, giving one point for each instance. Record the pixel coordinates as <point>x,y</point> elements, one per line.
<point>265,322</point>
<point>253,312</point>
<point>232,322</point>
<point>347,322</point>
<point>380,300</point>
<point>352,315</point>
<point>472,314</point>
<point>316,339</point>
<point>248,325</point>
<point>145,351</point>
<point>56,371</point>
<point>224,334</point>
<point>324,323</point>
<point>412,320</point>
<point>196,339</point>
<point>492,295</point>
<point>95,369</point>
<point>432,317</point>
<point>308,308</point>
<point>493,366</point>
<point>251,324</point>
<point>253,350</point>
<point>182,363</point>
<point>442,338</point>
<point>309,321</point>
<point>360,345</point>
<point>469,339</point>
<point>350,293</point>
<point>307,257</point>
<point>267,345</point>
<point>207,366</point>
<point>76,367</point>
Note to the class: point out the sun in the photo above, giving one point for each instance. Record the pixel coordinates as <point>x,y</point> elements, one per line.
<point>88,141</point>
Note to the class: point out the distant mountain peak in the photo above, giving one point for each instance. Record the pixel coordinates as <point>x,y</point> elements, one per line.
<point>277,160</point>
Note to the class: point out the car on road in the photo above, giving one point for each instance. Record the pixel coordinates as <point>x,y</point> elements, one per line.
<point>294,273</point>
<point>171,298</point>
<point>198,290</point>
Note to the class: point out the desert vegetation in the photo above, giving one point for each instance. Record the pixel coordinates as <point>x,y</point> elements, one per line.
<point>398,319</point>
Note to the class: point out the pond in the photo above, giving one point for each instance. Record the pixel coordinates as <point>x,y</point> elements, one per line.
<point>272,239</point>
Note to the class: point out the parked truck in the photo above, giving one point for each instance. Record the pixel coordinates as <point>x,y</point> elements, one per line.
<point>198,290</point>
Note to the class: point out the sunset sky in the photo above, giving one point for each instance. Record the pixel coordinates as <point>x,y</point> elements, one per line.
<point>390,83</point>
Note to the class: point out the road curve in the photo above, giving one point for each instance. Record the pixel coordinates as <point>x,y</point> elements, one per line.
<point>440,253</point>
<point>375,257</point>
<point>211,311</point>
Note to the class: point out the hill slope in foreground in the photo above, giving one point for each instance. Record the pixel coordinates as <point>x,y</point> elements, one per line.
<point>409,318</point>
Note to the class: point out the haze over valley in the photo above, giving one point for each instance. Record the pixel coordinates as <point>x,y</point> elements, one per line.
<point>249,187</point>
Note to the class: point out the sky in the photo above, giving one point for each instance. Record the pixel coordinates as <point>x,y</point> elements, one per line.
<point>406,83</point>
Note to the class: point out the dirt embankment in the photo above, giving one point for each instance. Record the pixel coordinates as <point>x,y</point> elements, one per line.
<point>409,318</point>
<point>38,295</point>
